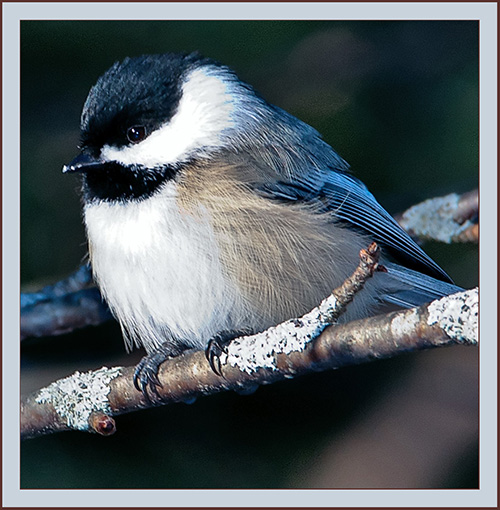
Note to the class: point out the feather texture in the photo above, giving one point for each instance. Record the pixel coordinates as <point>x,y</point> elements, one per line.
<point>158,268</point>
<point>231,214</point>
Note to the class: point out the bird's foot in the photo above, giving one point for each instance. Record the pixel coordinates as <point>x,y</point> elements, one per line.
<point>218,345</point>
<point>146,372</point>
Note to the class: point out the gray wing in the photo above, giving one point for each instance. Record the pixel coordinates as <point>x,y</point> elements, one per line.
<point>416,289</point>
<point>350,201</point>
<point>415,278</point>
<point>306,168</point>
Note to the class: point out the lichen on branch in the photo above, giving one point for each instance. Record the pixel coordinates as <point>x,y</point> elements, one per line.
<point>452,218</point>
<point>88,401</point>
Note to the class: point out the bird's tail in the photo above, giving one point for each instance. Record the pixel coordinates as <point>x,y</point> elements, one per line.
<point>418,288</point>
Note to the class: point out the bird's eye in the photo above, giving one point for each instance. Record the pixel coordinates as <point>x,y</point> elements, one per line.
<point>136,134</point>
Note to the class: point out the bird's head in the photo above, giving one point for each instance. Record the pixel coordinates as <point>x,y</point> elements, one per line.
<point>148,117</point>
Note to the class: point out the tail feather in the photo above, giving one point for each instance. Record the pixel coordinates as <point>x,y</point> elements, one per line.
<point>417,288</point>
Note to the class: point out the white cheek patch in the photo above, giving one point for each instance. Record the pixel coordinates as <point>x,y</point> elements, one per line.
<point>204,111</point>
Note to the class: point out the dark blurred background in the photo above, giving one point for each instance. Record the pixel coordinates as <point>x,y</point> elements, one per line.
<point>399,101</point>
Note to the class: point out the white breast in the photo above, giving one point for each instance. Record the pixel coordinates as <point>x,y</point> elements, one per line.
<point>159,270</point>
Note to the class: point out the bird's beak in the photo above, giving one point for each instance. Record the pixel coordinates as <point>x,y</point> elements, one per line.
<point>83,163</point>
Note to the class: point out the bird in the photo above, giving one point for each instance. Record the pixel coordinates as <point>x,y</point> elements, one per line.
<point>210,212</point>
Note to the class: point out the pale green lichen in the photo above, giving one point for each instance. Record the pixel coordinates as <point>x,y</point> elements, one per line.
<point>249,353</point>
<point>434,219</point>
<point>457,315</point>
<point>75,397</point>
<point>405,323</point>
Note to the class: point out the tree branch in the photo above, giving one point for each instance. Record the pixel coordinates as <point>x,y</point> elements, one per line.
<point>452,218</point>
<point>67,305</point>
<point>80,279</point>
<point>88,401</point>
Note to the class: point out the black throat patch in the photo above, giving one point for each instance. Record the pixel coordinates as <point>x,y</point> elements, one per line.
<point>112,182</point>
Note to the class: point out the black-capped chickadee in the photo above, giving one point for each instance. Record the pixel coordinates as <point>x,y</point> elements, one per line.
<point>209,210</point>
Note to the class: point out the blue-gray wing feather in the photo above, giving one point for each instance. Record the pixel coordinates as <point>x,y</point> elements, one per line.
<point>349,201</point>
<point>294,164</point>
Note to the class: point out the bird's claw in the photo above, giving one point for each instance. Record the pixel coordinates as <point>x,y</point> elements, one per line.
<point>146,377</point>
<point>146,372</point>
<point>218,346</point>
<point>213,352</point>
